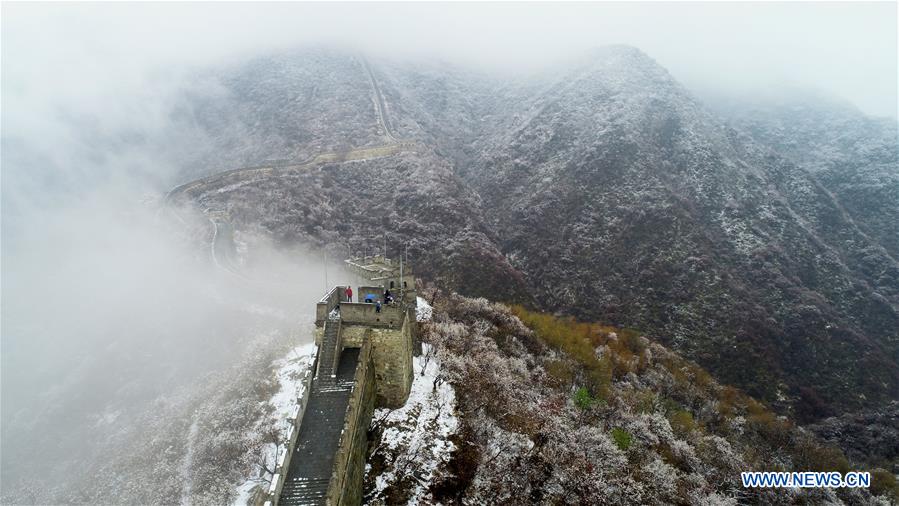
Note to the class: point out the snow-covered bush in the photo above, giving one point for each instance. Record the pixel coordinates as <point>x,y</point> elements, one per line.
<point>530,430</point>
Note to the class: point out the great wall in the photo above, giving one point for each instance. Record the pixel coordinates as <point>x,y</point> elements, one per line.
<point>364,355</point>
<point>364,361</point>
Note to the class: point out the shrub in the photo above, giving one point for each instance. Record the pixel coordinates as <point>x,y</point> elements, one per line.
<point>808,455</point>
<point>883,482</point>
<point>646,401</point>
<point>631,339</point>
<point>728,399</point>
<point>774,431</point>
<point>560,372</point>
<point>577,340</point>
<point>622,438</point>
<point>583,399</point>
<point>682,422</point>
<point>599,376</point>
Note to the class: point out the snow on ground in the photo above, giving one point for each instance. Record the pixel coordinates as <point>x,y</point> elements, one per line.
<point>245,492</point>
<point>290,370</point>
<point>415,439</point>
<point>424,311</point>
<point>289,373</point>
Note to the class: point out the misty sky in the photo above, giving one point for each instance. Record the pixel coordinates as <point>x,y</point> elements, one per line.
<point>79,51</point>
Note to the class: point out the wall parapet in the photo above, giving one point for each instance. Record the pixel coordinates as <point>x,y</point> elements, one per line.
<point>362,313</point>
<point>328,303</point>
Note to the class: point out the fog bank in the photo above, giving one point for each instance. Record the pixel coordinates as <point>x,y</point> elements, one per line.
<point>841,48</point>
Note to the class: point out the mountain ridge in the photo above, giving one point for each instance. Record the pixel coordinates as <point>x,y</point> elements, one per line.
<point>618,196</point>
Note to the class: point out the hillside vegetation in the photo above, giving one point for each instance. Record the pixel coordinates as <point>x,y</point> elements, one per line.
<point>555,411</point>
<point>763,250</point>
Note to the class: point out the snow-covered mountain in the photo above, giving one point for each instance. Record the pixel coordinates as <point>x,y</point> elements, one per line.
<point>606,190</point>
<point>752,244</point>
<point>514,406</point>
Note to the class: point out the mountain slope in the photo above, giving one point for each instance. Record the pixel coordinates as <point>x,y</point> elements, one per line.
<point>853,156</point>
<point>287,106</point>
<point>549,410</point>
<point>358,207</point>
<point>622,199</point>
<point>610,193</point>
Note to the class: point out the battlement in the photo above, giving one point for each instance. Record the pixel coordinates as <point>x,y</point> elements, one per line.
<point>361,313</point>
<point>396,276</point>
<point>334,304</point>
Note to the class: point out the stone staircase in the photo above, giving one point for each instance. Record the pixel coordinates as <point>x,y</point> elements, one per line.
<point>313,458</point>
<point>305,491</point>
<point>327,359</point>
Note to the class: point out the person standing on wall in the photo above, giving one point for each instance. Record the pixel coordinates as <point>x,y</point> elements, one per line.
<point>349,294</point>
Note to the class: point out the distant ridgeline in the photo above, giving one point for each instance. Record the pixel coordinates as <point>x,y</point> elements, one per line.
<point>364,361</point>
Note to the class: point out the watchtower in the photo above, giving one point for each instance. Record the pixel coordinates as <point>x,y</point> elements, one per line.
<point>386,274</point>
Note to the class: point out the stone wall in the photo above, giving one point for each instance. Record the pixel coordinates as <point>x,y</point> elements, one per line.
<point>317,334</point>
<point>349,461</point>
<point>365,314</point>
<point>377,291</point>
<point>352,336</point>
<point>392,356</point>
<point>395,282</point>
<point>328,303</point>
<point>392,350</point>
